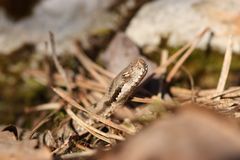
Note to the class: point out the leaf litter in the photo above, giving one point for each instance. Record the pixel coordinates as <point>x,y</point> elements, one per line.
<point>174,126</point>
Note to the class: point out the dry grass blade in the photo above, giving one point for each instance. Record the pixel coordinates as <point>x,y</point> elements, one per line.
<point>41,122</point>
<point>164,60</point>
<point>88,65</point>
<point>82,147</point>
<point>89,84</point>
<point>79,155</point>
<point>163,66</point>
<point>213,94</point>
<point>57,64</point>
<point>173,58</point>
<point>185,56</point>
<point>97,67</point>
<point>66,143</point>
<point>191,80</point>
<point>142,100</point>
<point>38,75</point>
<point>180,91</point>
<point>43,107</point>
<point>97,133</point>
<point>83,99</point>
<point>233,91</point>
<point>225,68</point>
<point>98,118</point>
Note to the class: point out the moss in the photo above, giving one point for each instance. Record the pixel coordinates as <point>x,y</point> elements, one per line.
<point>101,32</point>
<point>18,91</point>
<point>205,67</point>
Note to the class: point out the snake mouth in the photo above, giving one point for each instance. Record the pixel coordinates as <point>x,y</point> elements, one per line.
<point>123,92</point>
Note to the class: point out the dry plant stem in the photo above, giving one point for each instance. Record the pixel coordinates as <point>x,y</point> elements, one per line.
<point>164,60</point>
<point>97,133</point>
<point>82,83</point>
<point>185,56</point>
<point>92,97</point>
<point>180,62</point>
<point>191,83</point>
<point>41,122</point>
<point>80,122</point>
<point>90,84</point>
<point>82,147</point>
<point>57,64</point>
<point>103,71</point>
<point>233,91</point>
<point>44,107</point>
<point>173,58</point>
<point>93,115</point>
<point>84,100</point>
<point>142,100</point>
<point>66,143</point>
<point>48,68</point>
<point>207,97</point>
<point>211,94</point>
<point>95,66</point>
<point>59,67</point>
<point>59,81</point>
<point>87,64</point>
<point>183,92</point>
<point>78,155</point>
<point>161,68</point>
<point>225,68</point>
<point>38,75</point>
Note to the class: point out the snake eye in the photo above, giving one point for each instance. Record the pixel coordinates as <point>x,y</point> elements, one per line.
<point>126,75</point>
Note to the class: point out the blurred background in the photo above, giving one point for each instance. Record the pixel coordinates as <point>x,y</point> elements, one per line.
<point>152,26</point>
<point>112,33</point>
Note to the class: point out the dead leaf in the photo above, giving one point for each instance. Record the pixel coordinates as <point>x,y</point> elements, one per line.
<point>12,149</point>
<point>190,134</point>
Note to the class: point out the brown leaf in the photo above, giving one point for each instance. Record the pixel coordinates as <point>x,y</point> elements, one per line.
<point>190,134</point>
<point>11,149</point>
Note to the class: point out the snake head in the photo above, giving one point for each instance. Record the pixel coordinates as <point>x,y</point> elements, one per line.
<point>126,82</point>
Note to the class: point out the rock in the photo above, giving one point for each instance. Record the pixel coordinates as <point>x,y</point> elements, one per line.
<point>120,52</point>
<point>66,19</point>
<point>179,21</point>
